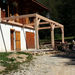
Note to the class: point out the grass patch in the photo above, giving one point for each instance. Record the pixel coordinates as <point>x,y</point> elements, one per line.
<point>72,37</point>
<point>29,58</point>
<point>9,62</point>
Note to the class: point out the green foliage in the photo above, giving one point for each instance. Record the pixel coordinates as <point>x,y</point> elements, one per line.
<point>3,56</point>
<point>9,62</point>
<point>63,12</point>
<point>29,58</point>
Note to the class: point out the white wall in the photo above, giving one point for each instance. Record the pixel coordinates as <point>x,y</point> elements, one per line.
<point>5,31</point>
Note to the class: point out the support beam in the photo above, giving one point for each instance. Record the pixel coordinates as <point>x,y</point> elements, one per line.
<point>0,14</point>
<point>19,17</point>
<point>48,20</point>
<point>41,28</point>
<point>8,11</point>
<point>31,24</point>
<point>52,36</point>
<point>28,26</point>
<point>36,33</point>
<point>62,29</point>
<point>41,23</point>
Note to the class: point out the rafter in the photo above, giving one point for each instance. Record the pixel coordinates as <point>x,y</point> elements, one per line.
<point>48,20</point>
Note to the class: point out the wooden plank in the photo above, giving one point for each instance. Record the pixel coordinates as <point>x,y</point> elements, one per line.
<point>44,23</point>
<point>30,42</point>
<point>31,24</point>
<point>18,42</point>
<point>28,26</point>
<point>27,20</point>
<point>8,11</point>
<point>22,16</point>
<point>41,28</point>
<point>19,24</point>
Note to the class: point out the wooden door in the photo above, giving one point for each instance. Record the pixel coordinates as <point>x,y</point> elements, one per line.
<point>30,42</point>
<point>18,42</point>
<point>12,39</point>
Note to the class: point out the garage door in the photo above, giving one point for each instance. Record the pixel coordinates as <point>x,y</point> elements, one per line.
<point>18,42</point>
<point>30,41</point>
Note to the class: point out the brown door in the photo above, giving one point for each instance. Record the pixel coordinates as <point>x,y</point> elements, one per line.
<point>12,39</point>
<point>18,42</point>
<point>30,42</point>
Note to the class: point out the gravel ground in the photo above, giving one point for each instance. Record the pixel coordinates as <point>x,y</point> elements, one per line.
<point>47,65</point>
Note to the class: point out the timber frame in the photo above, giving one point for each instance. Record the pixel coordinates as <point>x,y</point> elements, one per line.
<point>35,25</point>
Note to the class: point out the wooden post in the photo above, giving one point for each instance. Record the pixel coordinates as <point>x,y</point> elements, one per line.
<point>62,29</point>
<point>8,11</point>
<point>36,33</point>
<point>52,36</point>
<point>0,14</point>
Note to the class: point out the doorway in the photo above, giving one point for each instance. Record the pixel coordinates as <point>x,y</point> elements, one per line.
<point>30,41</point>
<point>12,39</point>
<point>18,41</point>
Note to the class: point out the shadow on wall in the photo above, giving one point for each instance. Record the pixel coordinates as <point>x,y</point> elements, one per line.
<point>3,39</point>
<point>25,37</point>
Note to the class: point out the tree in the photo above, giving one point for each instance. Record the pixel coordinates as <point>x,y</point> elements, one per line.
<point>63,12</point>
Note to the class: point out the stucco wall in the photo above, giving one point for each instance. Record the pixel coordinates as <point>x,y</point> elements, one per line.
<point>5,39</point>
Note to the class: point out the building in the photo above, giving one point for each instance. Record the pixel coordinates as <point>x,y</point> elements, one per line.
<point>19,26</point>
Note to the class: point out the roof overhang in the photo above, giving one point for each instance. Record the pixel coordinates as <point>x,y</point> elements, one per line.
<point>40,4</point>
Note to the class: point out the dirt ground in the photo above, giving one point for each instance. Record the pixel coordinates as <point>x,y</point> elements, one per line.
<point>48,65</point>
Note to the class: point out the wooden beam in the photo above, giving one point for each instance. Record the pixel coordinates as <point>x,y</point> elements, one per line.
<point>48,20</point>
<point>35,15</point>
<point>43,23</point>
<point>57,27</point>
<point>8,11</point>
<point>52,36</point>
<point>28,26</point>
<point>31,24</point>
<point>41,28</point>
<point>16,17</point>
<point>36,33</point>
<point>62,29</point>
